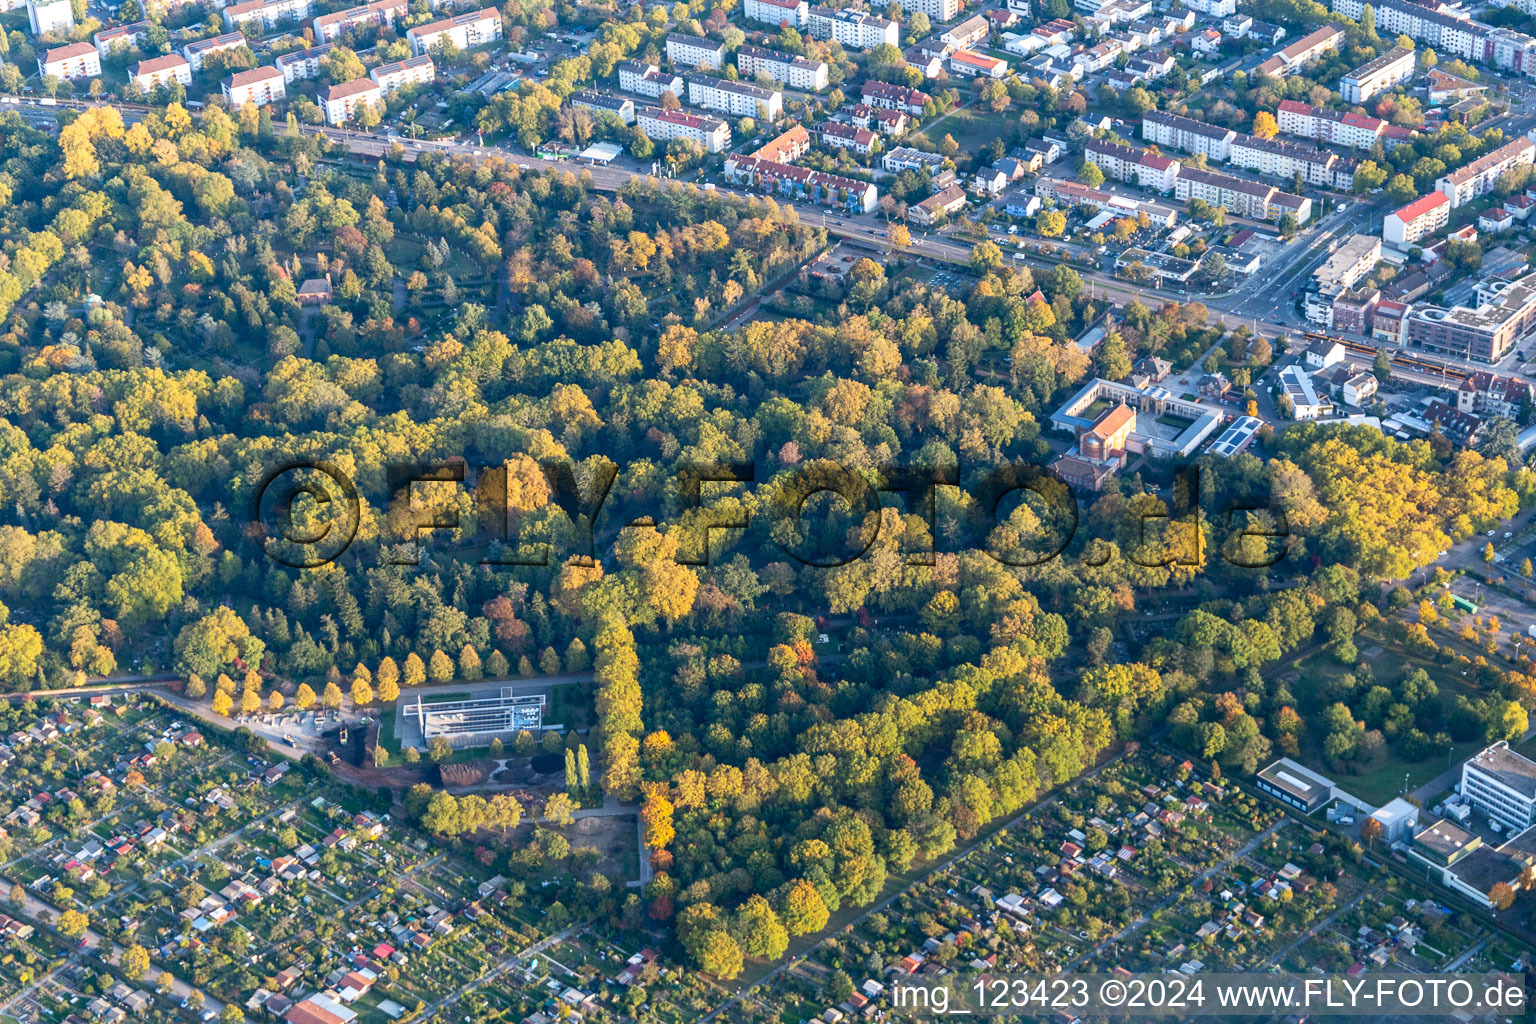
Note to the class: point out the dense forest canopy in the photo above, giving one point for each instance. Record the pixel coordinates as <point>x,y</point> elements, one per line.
<point>157,365</point>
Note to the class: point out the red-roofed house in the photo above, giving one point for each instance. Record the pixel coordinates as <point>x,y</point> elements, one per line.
<point>1419,219</point>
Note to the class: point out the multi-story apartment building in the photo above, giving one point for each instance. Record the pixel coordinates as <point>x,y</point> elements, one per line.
<point>648,80</point>
<point>173,67</point>
<point>1335,127</point>
<point>1131,163</point>
<point>663,125</point>
<point>800,182</point>
<point>198,52</point>
<point>739,99</point>
<point>68,63</point>
<point>129,36</point>
<point>1187,134</point>
<point>937,10</point>
<point>414,71</point>
<point>299,64</point>
<point>1303,51</point>
<point>968,33</point>
<point>1355,257</point>
<point>788,147</point>
<point>1501,784</point>
<point>50,16</point>
<point>1478,177</point>
<point>464,31</point>
<point>380,13</point>
<point>344,102</point>
<point>1449,32</point>
<point>835,135</point>
<point>796,72</point>
<point>1283,159</point>
<point>1242,196</point>
<point>1213,8</point>
<point>1377,75</point>
<point>621,107</point>
<point>695,52</point>
<point>267,13</point>
<point>794,13</point>
<point>1419,219</point>
<point>856,30</point>
<point>1485,333</point>
<point>260,86</point>
<point>894,97</point>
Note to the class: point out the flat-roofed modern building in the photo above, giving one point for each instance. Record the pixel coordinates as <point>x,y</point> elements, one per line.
<point>1485,332</point>
<point>1377,75</point>
<point>1290,783</point>
<point>474,722</point>
<point>1501,784</point>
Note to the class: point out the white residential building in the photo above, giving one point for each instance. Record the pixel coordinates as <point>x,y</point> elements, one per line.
<point>836,135</point>
<point>260,86</point>
<point>380,13</point>
<point>1283,159</point>
<point>72,62</point>
<point>298,64</point>
<point>739,99</point>
<point>968,33</point>
<point>156,71</point>
<point>796,72</point>
<point>621,107</point>
<point>794,13</point>
<point>1212,8</point>
<point>695,52</point>
<point>895,97</point>
<point>343,102</point>
<point>129,36</point>
<point>1302,52</point>
<point>464,31</point>
<point>1187,134</point>
<point>937,10</point>
<point>1337,127</point>
<point>50,16</point>
<point>856,30</point>
<point>663,125</point>
<point>1377,75</point>
<point>198,51</point>
<point>649,80</point>
<point>1419,219</point>
<point>1140,167</point>
<point>400,73</point>
<point>1478,177</point>
<point>267,13</point>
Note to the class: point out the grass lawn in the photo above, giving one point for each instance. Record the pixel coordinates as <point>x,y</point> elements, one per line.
<point>970,128</point>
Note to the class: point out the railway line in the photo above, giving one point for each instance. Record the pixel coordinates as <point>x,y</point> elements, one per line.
<point>1448,374</point>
